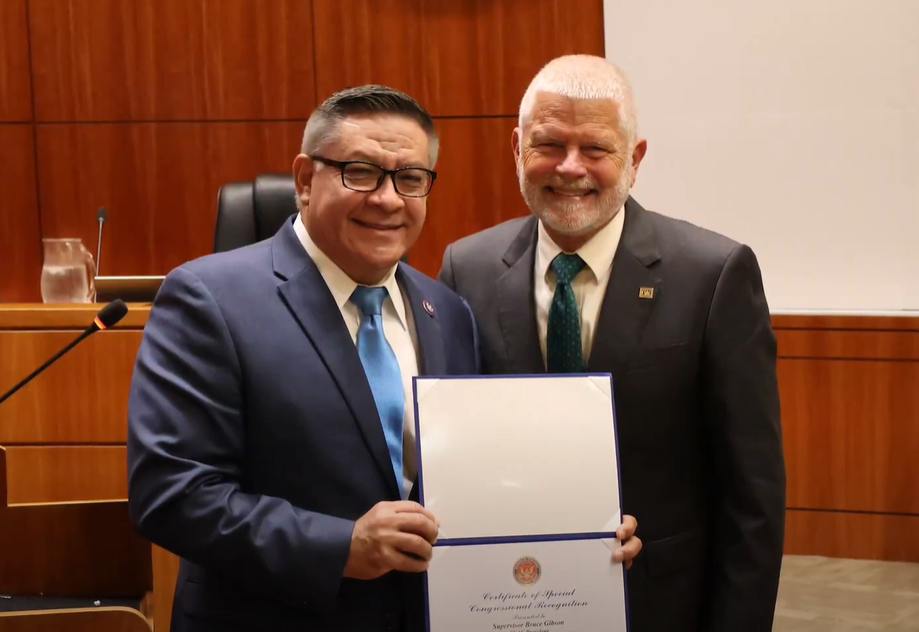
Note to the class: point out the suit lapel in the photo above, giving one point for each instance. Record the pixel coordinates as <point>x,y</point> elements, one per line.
<point>427,326</point>
<point>516,304</point>
<point>432,360</point>
<point>633,289</point>
<point>314,307</point>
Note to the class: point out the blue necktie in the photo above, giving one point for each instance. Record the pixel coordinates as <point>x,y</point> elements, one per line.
<point>382,370</point>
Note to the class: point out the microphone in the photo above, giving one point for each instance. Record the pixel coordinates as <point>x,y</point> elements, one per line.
<point>107,317</point>
<point>100,216</point>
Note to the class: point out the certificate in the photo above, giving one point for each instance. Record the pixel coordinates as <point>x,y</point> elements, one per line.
<point>523,474</point>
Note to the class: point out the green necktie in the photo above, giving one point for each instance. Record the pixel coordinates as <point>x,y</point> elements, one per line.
<point>563,335</point>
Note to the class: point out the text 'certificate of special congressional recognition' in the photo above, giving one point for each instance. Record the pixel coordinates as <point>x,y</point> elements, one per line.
<point>523,474</point>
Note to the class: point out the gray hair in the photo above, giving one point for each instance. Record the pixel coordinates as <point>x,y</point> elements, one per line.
<point>368,99</point>
<point>584,77</point>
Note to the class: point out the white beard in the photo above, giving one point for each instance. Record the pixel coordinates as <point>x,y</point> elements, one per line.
<point>574,217</point>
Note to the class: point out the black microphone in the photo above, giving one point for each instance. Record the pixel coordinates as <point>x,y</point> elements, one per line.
<point>100,217</point>
<point>107,317</point>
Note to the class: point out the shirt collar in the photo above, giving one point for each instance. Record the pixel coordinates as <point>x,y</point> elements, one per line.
<point>340,284</point>
<point>597,253</point>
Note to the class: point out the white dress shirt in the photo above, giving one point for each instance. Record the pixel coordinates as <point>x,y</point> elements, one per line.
<point>398,327</point>
<point>589,286</point>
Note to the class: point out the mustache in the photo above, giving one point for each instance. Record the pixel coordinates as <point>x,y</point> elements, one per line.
<point>583,183</point>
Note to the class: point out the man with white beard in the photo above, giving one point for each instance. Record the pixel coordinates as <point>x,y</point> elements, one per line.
<point>677,314</point>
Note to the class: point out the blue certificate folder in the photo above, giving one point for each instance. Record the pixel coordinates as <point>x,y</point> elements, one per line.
<point>523,474</point>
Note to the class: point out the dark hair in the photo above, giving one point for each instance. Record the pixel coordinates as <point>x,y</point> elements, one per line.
<point>366,99</point>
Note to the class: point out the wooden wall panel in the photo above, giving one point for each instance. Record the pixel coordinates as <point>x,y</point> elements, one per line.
<point>15,84</point>
<point>90,386</point>
<point>476,186</point>
<point>20,237</point>
<point>78,550</point>
<point>58,474</point>
<point>458,58</point>
<point>850,420</point>
<point>159,182</point>
<point>844,322</point>
<point>864,345</point>
<point>852,535</point>
<point>851,431</point>
<point>108,60</point>
<point>3,477</point>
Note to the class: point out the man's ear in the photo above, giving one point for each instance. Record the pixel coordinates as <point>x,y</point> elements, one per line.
<point>516,144</point>
<point>641,148</point>
<point>303,178</point>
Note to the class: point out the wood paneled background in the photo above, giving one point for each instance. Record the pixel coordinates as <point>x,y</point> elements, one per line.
<point>850,422</point>
<point>147,106</point>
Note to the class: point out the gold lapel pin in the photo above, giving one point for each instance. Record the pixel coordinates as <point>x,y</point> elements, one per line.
<point>646,292</point>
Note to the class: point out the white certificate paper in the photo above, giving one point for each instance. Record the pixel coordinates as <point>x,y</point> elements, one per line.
<point>523,474</point>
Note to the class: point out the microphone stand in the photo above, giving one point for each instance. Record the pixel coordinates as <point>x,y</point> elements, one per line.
<point>48,363</point>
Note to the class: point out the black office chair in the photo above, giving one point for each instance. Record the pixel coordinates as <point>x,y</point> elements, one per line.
<point>248,212</point>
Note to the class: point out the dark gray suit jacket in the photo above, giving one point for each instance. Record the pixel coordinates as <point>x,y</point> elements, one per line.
<point>697,407</point>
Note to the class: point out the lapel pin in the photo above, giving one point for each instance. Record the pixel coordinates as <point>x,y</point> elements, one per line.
<point>428,307</point>
<point>646,292</point>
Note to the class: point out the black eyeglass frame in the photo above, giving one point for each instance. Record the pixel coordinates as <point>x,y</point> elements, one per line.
<point>342,164</point>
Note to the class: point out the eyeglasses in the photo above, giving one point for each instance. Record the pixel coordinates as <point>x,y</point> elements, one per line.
<point>365,177</point>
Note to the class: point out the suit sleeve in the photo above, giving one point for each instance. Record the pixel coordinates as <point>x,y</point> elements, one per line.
<point>186,454</point>
<point>445,275</point>
<point>742,408</point>
<point>476,344</point>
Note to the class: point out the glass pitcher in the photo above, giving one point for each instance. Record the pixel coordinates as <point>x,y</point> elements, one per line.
<point>69,272</point>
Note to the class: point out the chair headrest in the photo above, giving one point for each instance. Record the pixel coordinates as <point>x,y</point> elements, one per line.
<point>274,201</point>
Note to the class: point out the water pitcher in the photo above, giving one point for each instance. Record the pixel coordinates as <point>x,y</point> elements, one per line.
<point>68,273</point>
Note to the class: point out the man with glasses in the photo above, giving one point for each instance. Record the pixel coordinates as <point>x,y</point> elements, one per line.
<point>270,440</point>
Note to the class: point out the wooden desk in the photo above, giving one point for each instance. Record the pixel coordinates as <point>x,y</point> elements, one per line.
<point>63,489</point>
<point>102,619</point>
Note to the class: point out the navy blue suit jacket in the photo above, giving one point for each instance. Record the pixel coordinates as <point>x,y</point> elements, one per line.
<point>254,442</point>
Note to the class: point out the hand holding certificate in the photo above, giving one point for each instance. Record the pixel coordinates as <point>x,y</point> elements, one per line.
<point>522,473</point>
<point>391,536</point>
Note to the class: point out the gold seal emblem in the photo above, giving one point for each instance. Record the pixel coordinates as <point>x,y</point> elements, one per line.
<point>527,571</point>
